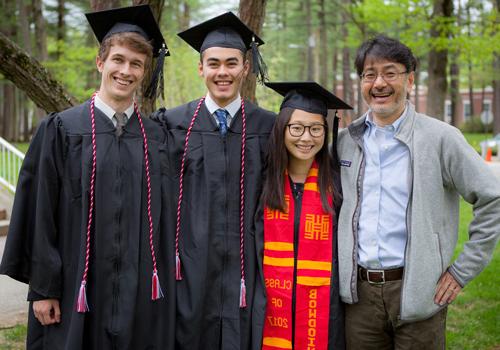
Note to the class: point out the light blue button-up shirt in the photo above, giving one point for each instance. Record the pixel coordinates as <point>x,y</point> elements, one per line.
<point>232,108</point>
<point>382,227</point>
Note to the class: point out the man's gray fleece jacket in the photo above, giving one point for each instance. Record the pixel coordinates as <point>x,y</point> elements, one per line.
<point>444,167</point>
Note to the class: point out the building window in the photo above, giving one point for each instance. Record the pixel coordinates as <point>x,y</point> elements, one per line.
<point>447,112</point>
<point>486,115</point>
<point>467,114</point>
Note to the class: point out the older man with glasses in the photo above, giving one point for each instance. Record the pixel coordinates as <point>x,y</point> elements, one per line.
<point>402,176</point>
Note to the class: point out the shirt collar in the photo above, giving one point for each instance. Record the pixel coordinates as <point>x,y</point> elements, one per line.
<point>231,108</point>
<point>393,127</point>
<point>109,111</point>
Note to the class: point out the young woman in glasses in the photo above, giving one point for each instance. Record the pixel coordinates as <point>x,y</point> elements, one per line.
<point>296,227</point>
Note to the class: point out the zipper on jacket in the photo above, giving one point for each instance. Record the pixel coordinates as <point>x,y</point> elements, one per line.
<point>355,223</point>
<point>408,230</point>
<point>226,211</point>
<point>117,263</point>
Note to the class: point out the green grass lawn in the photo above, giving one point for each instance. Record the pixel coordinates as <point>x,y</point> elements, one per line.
<point>22,146</point>
<point>474,318</point>
<point>474,139</point>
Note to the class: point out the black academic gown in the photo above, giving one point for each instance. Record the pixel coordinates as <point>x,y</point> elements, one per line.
<point>336,329</point>
<point>46,241</point>
<point>207,314</point>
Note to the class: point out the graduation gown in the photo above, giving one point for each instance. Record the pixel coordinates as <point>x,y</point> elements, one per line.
<point>336,325</point>
<point>207,314</point>
<point>46,241</point>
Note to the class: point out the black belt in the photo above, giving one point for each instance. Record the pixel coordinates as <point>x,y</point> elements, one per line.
<point>380,276</point>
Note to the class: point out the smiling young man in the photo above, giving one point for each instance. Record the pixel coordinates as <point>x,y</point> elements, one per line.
<point>84,228</point>
<point>402,176</point>
<point>216,148</point>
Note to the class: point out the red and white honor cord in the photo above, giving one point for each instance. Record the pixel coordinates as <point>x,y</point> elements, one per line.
<point>178,275</point>
<point>156,292</point>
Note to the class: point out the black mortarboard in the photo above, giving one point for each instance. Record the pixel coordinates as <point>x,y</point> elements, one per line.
<point>308,96</point>
<point>136,19</point>
<point>228,31</point>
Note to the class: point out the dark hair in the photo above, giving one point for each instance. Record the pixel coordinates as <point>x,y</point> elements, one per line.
<point>277,161</point>
<point>387,48</point>
<point>132,40</point>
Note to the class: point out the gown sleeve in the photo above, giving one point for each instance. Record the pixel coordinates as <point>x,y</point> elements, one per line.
<point>31,254</point>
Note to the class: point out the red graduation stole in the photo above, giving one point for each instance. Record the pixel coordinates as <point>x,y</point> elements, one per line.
<point>313,271</point>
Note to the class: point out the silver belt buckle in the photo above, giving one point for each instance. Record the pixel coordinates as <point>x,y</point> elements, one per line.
<point>374,282</point>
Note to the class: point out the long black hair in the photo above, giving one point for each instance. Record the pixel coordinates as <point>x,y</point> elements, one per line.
<point>277,161</point>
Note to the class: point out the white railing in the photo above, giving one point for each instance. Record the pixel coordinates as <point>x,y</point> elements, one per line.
<point>10,162</point>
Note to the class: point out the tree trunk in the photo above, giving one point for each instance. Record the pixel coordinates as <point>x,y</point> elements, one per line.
<point>417,90</point>
<point>9,28</point>
<point>438,60</point>
<point>40,30</point>
<point>346,74</point>
<point>470,79</point>
<point>61,30</point>
<point>323,45</point>
<point>31,77</point>
<point>310,41</point>
<point>252,13</point>
<point>100,5</point>
<point>456,120</point>
<point>24,103</point>
<point>470,84</point>
<point>335,68</point>
<point>9,110</point>
<point>41,44</point>
<point>185,17</point>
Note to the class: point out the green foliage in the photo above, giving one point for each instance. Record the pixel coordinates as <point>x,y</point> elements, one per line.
<point>76,66</point>
<point>182,82</point>
<point>475,125</point>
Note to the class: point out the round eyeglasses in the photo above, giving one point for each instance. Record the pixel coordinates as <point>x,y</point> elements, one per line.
<point>389,76</point>
<point>315,130</point>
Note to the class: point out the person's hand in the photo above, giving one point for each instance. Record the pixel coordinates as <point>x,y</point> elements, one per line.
<point>47,311</point>
<point>447,289</point>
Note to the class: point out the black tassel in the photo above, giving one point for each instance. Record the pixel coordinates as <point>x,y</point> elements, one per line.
<point>157,77</point>
<point>259,67</point>
<point>335,132</point>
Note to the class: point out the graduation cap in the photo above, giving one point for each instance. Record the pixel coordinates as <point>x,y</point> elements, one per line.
<point>227,31</point>
<point>308,96</point>
<point>136,19</point>
<point>311,97</point>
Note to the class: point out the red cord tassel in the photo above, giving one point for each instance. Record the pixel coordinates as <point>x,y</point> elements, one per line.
<point>156,292</point>
<point>178,275</point>
<point>81,303</point>
<point>243,294</point>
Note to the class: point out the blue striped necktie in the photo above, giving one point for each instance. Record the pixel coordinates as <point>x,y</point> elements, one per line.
<point>221,115</point>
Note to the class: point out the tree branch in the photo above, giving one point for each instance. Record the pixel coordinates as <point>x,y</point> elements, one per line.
<point>31,77</point>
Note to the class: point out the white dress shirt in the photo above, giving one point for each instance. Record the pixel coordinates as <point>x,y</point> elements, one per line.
<point>110,112</point>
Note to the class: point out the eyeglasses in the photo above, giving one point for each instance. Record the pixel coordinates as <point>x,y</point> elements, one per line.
<point>389,76</point>
<point>315,130</point>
